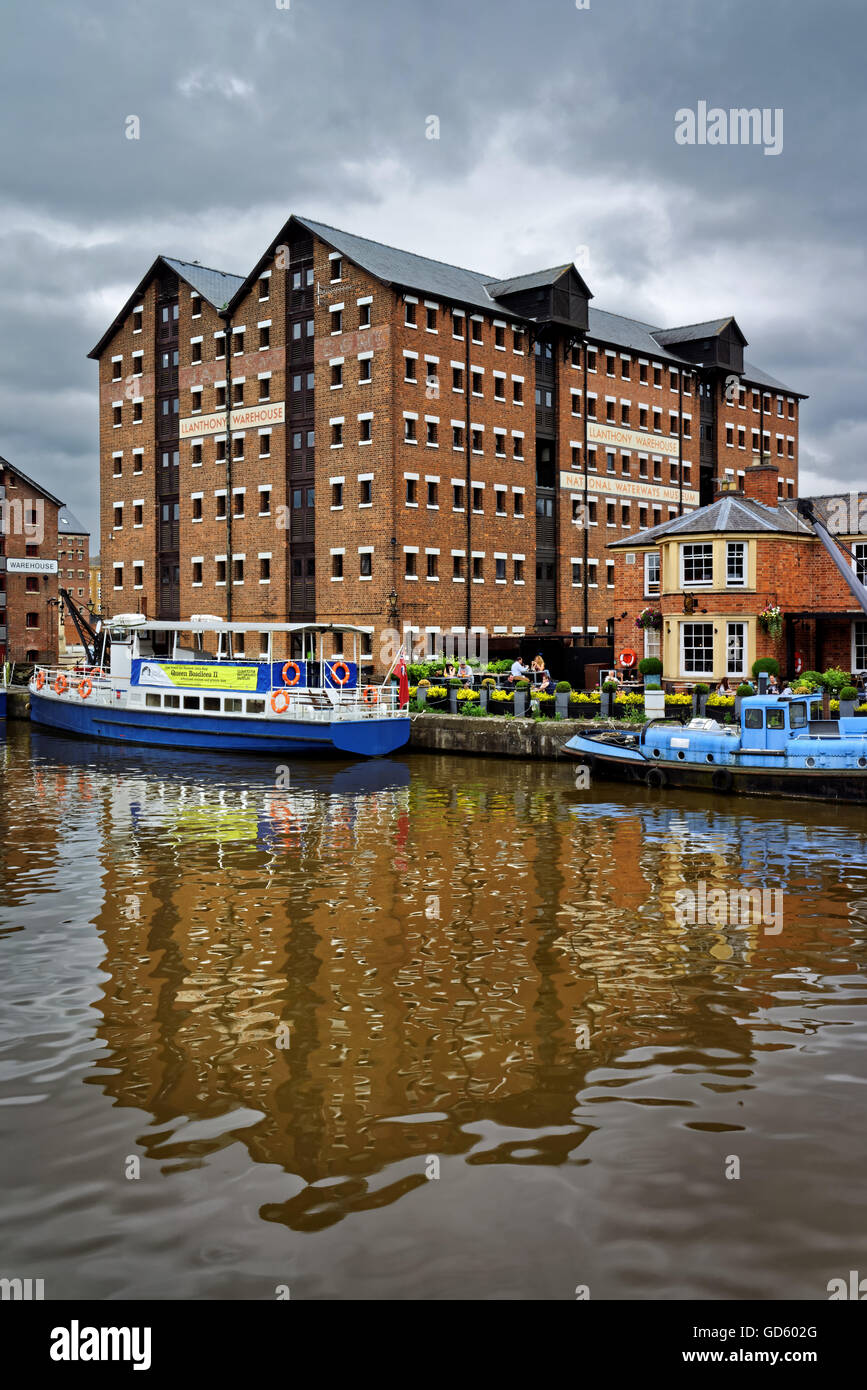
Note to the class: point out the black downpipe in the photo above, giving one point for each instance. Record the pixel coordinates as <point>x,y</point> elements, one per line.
<point>468,498</point>
<point>586,516</point>
<point>230,501</point>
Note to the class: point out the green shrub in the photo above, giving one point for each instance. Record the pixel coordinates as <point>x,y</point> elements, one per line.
<point>499,668</point>
<point>701,689</point>
<point>848,692</point>
<point>744,689</point>
<point>522,685</point>
<point>650,666</point>
<point>610,686</point>
<point>489,681</point>
<point>563,688</point>
<point>811,678</point>
<point>834,679</point>
<point>770,664</point>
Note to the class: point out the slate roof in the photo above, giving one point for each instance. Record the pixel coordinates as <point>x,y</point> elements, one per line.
<point>31,482</point>
<point>217,286</point>
<point>435,278</point>
<point>69,524</point>
<point>534,280</point>
<point>728,515</point>
<point>451,283</point>
<point>688,332</point>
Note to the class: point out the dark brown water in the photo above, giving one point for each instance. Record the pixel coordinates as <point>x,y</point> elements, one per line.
<point>508,1067</point>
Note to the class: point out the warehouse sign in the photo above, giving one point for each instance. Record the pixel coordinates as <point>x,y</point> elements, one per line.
<point>29,565</point>
<point>628,487</point>
<point>249,418</point>
<point>614,437</point>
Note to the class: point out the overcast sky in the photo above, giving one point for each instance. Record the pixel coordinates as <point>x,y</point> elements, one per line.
<point>557,131</point>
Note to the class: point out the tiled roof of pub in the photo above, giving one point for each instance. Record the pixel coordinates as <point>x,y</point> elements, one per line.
<point>68,524</point>
<point>727,515</point>
<point>217,286</point>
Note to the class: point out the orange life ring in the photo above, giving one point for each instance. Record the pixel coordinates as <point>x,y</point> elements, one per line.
<point>291,666</point>
<point>628,658</point>
<point>85,687</point>
<point>284,706</point>
<point>799,663</point>
<point>40,679</point>
<point>370,695</point>
<point>340,666</point>
<point>60,685</point>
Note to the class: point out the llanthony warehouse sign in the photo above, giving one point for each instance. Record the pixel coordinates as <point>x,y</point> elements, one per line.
<point>253,417</point>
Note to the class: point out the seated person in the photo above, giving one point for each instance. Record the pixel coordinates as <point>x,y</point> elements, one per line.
<point>465,673</point>
<point>519,672</point>
<point>449,670</point>
<point>546,684</point>
<point>724,688</point>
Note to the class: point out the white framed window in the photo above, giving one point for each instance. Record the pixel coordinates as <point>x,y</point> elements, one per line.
<point>696,649</point>
<point>696,565</point>
<point>736,564</point>
<point>651,573</point>
<point>859,563</point>
<point>736,649</point>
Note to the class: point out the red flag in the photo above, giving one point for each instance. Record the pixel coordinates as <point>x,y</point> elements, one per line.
<point>402,683</point>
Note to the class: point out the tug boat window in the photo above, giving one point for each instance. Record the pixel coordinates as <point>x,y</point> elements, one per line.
<point>153,701</point>
<point>776,718</point>
<point>797,716</point>
<point>255,706</point>
<point>172,701</point>
<point>191,702</point>
<point>753,719</point>
<point>233,706</point>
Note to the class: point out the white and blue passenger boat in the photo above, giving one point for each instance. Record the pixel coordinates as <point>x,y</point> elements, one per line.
<point>187,685</point>
<point>777,749</point>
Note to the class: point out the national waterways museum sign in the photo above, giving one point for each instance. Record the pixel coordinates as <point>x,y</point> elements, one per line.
<point>628,487</point>
<point>255,416</point>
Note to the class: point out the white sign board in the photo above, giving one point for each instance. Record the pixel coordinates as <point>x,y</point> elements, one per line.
<point>243,418</point>
<point>30,565</point>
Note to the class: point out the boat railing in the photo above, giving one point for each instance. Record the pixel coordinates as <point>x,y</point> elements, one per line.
<point>81,681</point>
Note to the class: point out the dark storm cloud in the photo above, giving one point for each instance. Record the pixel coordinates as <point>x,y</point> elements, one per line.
<point>557,129</point>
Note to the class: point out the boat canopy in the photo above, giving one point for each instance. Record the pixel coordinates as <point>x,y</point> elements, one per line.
<point>203,623</point>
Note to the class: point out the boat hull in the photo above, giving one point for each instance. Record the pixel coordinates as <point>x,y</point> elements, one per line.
<point>803,784</point>
<point>370,738</point>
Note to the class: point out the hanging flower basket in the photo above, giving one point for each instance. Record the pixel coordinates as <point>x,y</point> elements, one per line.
<point>649,619</point>
<point>771,620</point>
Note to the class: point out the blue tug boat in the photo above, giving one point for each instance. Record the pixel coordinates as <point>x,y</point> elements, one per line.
<point>158,684</point>
<point>776,750</point>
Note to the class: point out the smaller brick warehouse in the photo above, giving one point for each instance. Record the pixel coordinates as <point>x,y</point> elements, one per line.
<point>712,572</point>
<point>73,568</point>
<point>28,568</point>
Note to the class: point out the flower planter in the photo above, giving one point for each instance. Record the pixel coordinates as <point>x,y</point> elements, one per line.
<point>421,697</point>
<point>520,703</point>
<point>453,701</point>
<point>561,704</point>
<point>699,705</point>
<point>483,696</point>
<point>606,704</point>
<point>847,709</point>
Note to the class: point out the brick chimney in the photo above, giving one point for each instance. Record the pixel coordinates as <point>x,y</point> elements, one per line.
<point>760,484</point>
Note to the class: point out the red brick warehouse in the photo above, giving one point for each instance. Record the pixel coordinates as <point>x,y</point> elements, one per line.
<point>28,568</point>
<point>356,433</point>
